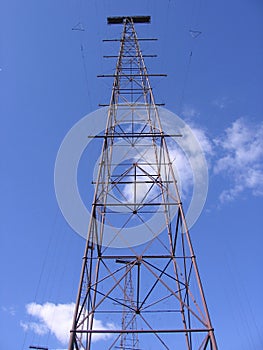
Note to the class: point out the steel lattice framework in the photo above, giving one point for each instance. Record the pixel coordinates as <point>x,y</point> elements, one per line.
<point>136,195</point>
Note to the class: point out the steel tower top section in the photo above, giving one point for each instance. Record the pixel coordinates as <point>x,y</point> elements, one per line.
<point>131,78</point>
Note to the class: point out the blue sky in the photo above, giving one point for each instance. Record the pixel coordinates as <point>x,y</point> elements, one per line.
<point>48,82</point>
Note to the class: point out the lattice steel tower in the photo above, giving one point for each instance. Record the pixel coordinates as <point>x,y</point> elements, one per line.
<point>139,287</point>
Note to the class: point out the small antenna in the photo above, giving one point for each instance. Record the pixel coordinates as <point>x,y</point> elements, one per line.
<point>79,26</point>
<point>195,33</point>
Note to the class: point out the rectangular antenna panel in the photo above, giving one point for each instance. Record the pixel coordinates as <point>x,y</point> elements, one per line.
<point>135,19</point>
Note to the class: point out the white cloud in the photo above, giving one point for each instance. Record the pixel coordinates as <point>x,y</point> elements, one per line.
<point>194,152</point>
<point>57,319</point>
<point>144,191</point>
<point>185,156</point>
<point>241,146</point>
<point>182,169</point>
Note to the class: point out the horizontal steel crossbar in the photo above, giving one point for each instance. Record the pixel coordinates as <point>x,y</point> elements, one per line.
<point>122,40</point>
<point>130,75</point>
<point>133,104</point>
<point>117,135</point>
<point>109,331</point>
<point>130,204</point>
<point>129,56</point>
<point>131,182</point>
<point>144,257</point>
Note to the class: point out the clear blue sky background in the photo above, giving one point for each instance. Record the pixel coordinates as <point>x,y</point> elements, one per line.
<point>48,83</point>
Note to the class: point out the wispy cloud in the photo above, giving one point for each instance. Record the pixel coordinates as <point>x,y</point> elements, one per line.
<point>57,319</point>
<point>221,102</point>
<point>189,112</point>
<point>38,328</point>
<point>241,146</point>
<point>9,309</point>
<point>203,139</point>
